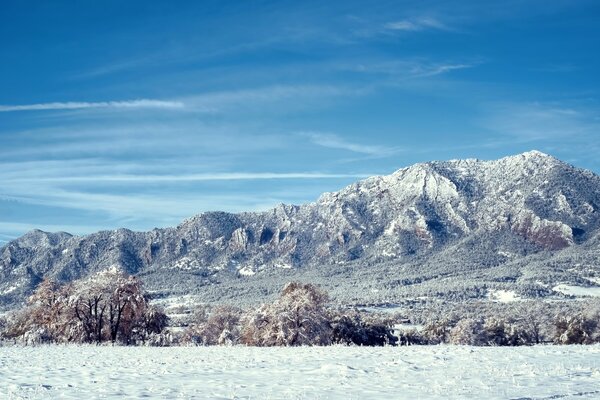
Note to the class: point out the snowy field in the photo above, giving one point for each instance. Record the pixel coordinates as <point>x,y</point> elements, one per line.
<point>430,372</point>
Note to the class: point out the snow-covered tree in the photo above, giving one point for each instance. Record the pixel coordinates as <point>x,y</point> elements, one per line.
<point>298,317</point>
<point>109,305</point>
<point>43,319</point>
<point>468,331</point>
<point>534,321</point>
<point>221,326</point>
<point>155,320</point>
<point>106,306</point>
<point>437,331</point>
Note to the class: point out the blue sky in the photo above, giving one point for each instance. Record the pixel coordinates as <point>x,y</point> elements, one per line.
<point>140,114</point>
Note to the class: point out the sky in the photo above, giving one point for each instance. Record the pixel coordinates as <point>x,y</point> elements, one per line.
<point>139,114</point>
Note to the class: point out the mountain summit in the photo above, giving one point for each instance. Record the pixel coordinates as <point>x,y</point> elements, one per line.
<point>513,220</point>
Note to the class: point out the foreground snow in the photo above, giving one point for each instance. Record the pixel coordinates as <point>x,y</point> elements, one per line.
<point>434,372</point>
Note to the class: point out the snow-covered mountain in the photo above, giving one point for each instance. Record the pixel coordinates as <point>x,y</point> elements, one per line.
<point>421,223</point>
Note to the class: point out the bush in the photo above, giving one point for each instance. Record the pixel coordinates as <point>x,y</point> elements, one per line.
<point>500,332</point>
<point>576,329</point>
<point>352,329</point>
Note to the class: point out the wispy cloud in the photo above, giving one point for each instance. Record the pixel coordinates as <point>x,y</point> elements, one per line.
<point>540,121</point>
<point>253,97</point>
<point>126,194</point>
<point>169,206</point>
<point>409,68</point>
<point>166,207</point>
<point>438,69</point>
<point>416,25</point>
<point>333,141</point>
<point>75,105</point>
<point>5,238</point>
<point>224,176</point>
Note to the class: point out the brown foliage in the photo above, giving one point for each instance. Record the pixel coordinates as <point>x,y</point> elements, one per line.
<point>107,306</point>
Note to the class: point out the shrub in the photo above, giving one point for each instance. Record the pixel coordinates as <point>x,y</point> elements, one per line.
<point>576,329</point>
<point>350,328</point>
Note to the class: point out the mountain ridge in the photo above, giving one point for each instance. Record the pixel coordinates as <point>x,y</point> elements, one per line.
<point>527,204</point>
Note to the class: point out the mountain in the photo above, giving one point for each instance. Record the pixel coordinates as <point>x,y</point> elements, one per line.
<point>458,228</point>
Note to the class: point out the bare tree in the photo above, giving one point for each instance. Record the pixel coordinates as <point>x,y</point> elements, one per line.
<point>127,307</point>
<point>534,320</point>
<point>109,305</point>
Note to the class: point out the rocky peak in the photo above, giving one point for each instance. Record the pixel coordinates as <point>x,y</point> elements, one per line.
<point>37,237</point>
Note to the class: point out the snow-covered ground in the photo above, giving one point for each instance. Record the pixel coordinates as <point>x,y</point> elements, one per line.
<point>503,296</point>
<point>418,372</point>
<point>578,291</point>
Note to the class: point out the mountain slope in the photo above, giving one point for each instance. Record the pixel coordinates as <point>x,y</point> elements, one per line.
<point>422,223</point>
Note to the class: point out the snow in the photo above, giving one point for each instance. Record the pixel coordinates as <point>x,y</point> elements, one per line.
<point>389,231</point>
<point>416,372</point>
<point>386,253</point>
<point>594,280</point>
<point>10,289</point>
<point>400,328</point>
<point>503,296</point>
<point>562,204</point>
<point>507,254</point>
<point>384,308</point>
<point>246,271</point>
<point>186,263</point>
<point>577,291</point>
<point>188,300</point>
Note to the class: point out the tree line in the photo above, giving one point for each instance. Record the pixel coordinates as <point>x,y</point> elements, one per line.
<point>112,307</point>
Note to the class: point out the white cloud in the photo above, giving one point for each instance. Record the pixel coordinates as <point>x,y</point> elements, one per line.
<point>175,138</point>
<point>166,208</point>
<point>4,237</point>
<point>126,194</point>
<point>333,141</point>
<point>438,69</point>
<point>73,105</point>
<point>537,121</point>
<point>224,176</point>
<point>416,24</point>
<point>407,69</point>
<point>256,97</point>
